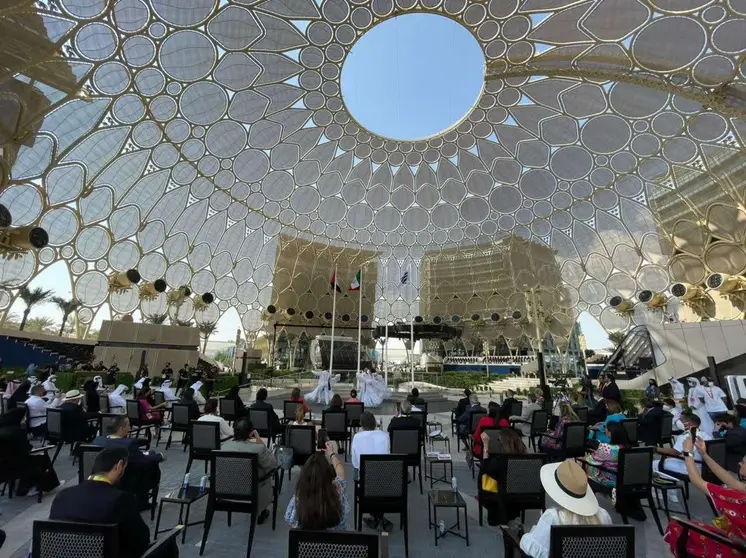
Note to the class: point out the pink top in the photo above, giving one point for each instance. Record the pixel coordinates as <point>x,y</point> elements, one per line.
<point>353,400</point>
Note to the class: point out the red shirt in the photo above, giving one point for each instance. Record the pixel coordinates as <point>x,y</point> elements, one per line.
<point>300,400</point>
<point>486,423</point>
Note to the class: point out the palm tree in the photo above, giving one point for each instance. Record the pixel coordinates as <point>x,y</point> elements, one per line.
<point>616,338</point>
<point>157,318</point>
<point>40,325</point>
<point>67,307</point>
<point>31,297</point>
<point>205,330</point>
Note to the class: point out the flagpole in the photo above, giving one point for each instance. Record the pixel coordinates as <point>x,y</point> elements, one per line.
<point>385,355</point>
<point>334,318</point>
<point>411,325</point>
<point>360,321</point>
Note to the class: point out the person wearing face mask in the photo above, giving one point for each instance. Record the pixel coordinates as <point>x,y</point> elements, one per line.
<point>98,500</point>
<point>652,391</point>
<point>678,389</point>
<point>697,405</point>
<point>675,408</point>
<point>713,398</point>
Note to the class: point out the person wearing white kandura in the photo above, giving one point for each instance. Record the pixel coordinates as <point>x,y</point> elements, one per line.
<point>567,485</point>
<point>117,402</point>
<point>198,397</point>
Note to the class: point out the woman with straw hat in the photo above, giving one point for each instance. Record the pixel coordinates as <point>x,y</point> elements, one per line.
<point>567,485</point>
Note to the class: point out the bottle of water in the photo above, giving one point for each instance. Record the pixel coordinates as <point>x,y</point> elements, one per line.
<point>442,527</point>
<point>203,484</point>
<point>185,484</point>
<point>454,485</point>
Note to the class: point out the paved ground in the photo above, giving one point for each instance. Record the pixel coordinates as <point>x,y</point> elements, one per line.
<point>18,515</point>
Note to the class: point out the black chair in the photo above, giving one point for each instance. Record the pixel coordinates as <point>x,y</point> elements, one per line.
<point>87,455</point>
<point>335,423</point>
<point>572,541</point>
<point>67,539</point>
<point>133,413</point>
<point>13,464</point>
<point>634,476</point>
<point>474,419</point>
<point>302,438</point>
<point>288,411</point>
<point>322,544</point>
<point>539,420</point>
<point>715,449</point>
<point>573,441</point>
<point>666,430</point>
<point>234,487</point>
<point>408,443</point>
<point>516,408</point>
<point>582,413</point>
<point>159,397</point>
<point>166,547</point>
<point>227,409</point>
<point>55,431</point>
<point>179,423</point>
<point>382,488</point>
<point>103,404</point>
<point>519,486</point>
<point>262,424</point>
<point>630,425</point>
<point>204,438</point>
<point>354,410</point>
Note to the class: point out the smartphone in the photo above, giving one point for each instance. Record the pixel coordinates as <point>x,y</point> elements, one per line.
<point>693,433</point>
<point>322,439</point>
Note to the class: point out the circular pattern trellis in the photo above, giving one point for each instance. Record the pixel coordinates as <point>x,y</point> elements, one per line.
<point>213,134</point>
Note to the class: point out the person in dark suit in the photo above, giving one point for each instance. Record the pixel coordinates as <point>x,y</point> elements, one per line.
<point>403,418</point>
<point>187,398</point>
<point>98,500</point>
<point>463,421</point>
<point>143,473</point>
<point>610,390</point>
<point>414,398</point>
<point>650,421</point>
<point>261,403</point>
<point>75,423</point>
<point>509,400</point>
<point>463,403</point>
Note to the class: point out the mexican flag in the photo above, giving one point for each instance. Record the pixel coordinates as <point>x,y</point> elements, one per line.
<point>355,284</point>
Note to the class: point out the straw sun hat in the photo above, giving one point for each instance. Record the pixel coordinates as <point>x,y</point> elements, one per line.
<point>567,484</point>
<point>73,394</point>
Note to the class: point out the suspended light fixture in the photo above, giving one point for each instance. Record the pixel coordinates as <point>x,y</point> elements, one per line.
<point>654,300</point>
<point>123,280</point>
<point>15,242</point>
<point>151,289</point>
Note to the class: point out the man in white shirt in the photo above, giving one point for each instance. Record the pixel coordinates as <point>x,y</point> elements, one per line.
<point>370,441</point>
<point>211,408</point>
<point>713,397</point>
<point>37,410</point>
<point>673,464</point>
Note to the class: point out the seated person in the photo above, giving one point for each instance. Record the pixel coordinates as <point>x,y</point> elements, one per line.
<point>211,415</point>
<point>117,402</point>
<point>598,412</point>
<point>35,470</point>
<point>353,397</point>
<point>143,472</point>
<point>415,399</point>
<point>187,398</point>
<point>169,394</point>
<point>463,403</point>
<point>403,418</point>
<point>509,399</point>
<point>198,397</point>
<point>650,421</point>
<point>729,499</point>
<point>510,442</point>
<point>246,439</point>
<point>37,410</point>
<point>465,419</point>
<point>527,414</point>
<point>261,403</point>
<point>296,397</point>
<point>576,504</point>
<point>671,463</point>
<point>728,427</point>
<point>370,441</point>
<point>300,417</point>
<point>92,404</point>
<point>336,403</point>
<point>238,402</point>
<point>495,419</point>
<point>98,500</point>
<point>149,414</point>
<point>552,444</point>
<point>613,414</point>
<point>75,425</point>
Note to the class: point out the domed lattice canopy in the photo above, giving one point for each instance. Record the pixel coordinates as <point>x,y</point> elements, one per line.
<point>212,147</point>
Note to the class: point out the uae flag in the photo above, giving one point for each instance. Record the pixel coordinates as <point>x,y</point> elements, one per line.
<point>334,283</point>
<point>355,284</point>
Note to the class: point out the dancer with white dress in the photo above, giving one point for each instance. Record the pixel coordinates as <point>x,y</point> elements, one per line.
<point>325,389</point>
<point>367,389</point>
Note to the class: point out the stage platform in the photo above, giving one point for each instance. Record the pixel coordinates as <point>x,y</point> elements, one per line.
<point>436,402</point>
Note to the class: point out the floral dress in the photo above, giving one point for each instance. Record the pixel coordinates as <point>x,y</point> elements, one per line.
<point>552,443</point>
<point>731,523</point>
<point>606,456</point>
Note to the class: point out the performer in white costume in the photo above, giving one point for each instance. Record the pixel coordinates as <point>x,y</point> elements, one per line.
<point>696,404</point>
<point>383,389</point>
<point>168,391</point>
<point>117,403</point>
<point>49,384</point>
<point>139,383</point>
<point>679,392</point>
<point>325,390</point>
<point>198,397</point>
<point>366,389</point>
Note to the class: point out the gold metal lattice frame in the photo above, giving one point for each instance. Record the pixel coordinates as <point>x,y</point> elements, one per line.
<point>609,134</point>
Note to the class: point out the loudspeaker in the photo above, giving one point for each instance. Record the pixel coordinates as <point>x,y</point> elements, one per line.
<point>495,317</point>
<point>309,315</point>
<point>271,309</point>
<point>418,319</point>
<point>160,286</point>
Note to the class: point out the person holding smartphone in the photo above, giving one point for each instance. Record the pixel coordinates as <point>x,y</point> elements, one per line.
<point>320,502</point>
<point>672,461</point>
